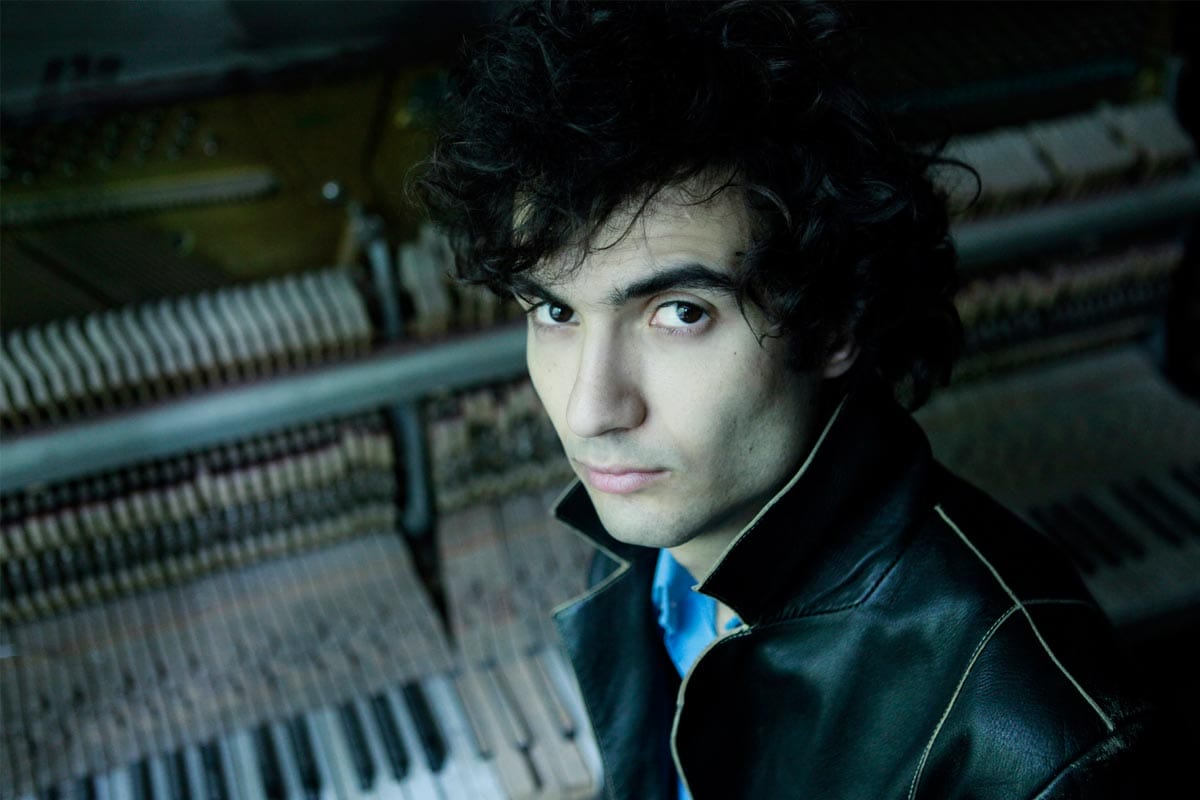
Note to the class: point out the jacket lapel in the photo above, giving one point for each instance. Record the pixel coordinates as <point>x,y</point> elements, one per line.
<point>626,679</point>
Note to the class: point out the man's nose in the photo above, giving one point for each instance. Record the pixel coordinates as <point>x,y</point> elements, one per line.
<point>605,396</point>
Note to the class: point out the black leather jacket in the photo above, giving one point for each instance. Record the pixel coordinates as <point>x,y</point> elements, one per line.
<point>904,637</point>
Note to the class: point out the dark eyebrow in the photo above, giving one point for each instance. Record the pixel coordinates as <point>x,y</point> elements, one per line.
<point>525,288</point>
<point>684,276</point>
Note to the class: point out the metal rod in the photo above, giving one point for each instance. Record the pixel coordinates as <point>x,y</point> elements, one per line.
<point>1046,228</point>
<point>232,413</point>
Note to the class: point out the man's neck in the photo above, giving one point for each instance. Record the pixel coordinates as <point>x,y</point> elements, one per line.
<point>700,554</point>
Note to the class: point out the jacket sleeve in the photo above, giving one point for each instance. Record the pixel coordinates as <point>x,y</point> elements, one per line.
<point>1142,759</point>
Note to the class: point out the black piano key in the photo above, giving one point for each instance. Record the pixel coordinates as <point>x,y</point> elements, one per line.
<point>1138,507</point>
<point>214,772</point>
<point>1187,524</point>
<point>1085,533</point>
<point>306,759</point>
<point>360,755</point>
<point>143,784</point>
<point>51,793</point>
<point>177,777</point>
<point>389,734</point>
<point>432,741</point>
<point>268,764</point>
<point>1047,521</point>
<point>87,788</point>
<point>1102,524</point>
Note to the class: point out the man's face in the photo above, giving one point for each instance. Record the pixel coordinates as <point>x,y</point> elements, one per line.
<point>678,421</point>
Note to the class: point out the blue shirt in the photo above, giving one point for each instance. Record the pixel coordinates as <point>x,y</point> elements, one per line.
<point>688,619</point>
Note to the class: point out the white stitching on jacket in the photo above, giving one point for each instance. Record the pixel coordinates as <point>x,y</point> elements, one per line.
<point>1045,646</point>
<point>912,790</point>
<point>1017,606</point>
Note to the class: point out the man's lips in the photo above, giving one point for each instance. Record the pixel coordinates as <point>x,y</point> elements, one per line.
<point>619,479</point>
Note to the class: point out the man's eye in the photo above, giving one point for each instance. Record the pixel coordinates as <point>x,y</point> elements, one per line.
<point>678,314</point>
<point>552,314</point>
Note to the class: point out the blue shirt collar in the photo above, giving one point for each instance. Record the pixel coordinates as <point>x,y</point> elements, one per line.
<point>688,619</point>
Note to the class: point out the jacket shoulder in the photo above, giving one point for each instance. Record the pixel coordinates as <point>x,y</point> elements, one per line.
<point>1044,701</point>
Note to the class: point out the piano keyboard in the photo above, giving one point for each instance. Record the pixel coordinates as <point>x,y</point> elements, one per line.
<point>258,631</point>
<point>1103,456</point>
<point>403,742</point>
<point>318,677</point>
<point>1136,543</point>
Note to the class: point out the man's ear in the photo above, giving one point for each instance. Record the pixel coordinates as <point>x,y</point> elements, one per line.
<point>841,359</point>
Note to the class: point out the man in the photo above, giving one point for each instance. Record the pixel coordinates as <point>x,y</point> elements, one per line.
<point>731,270</point>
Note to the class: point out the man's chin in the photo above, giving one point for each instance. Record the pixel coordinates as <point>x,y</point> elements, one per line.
<point>632,522</point>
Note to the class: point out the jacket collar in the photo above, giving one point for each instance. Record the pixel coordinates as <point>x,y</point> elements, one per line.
<point>826,538</point>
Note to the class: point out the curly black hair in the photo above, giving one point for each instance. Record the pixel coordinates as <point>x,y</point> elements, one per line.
<point>568,111</point>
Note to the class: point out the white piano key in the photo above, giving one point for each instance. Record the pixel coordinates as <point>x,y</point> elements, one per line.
<point>336,754</point>
<point>555,756</point>
<point>386,785</point>
<point>559,673</point>
<point>476,774</point>
<point>549,693</point>
<point>423,781</point>
<point>159,781</point>
<point>195,773</point>
<point>100,782</point>
<point>510,761</point>
<point>287,762</point>
<point>331,787</point>
<point>242,771</point>
<point>120,784</point>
